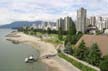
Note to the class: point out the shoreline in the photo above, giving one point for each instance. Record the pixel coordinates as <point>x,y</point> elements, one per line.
<point>54,63</point>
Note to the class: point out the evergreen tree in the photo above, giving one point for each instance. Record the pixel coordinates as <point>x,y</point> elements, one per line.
<point>80,52</point>
<point>104,64</point>
<point>79,35</point>
<point>49,31</point>
<point>60,34</point>
<point>72,27</point>
<point>68,49</point>
<point>94,55</point>
<point>71,32</point>
<point>86,54</point>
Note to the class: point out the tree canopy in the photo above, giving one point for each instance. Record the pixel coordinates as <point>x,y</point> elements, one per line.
<point>94,55</point>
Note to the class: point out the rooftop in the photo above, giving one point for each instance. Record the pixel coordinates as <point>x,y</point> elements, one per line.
<point>101,40</point>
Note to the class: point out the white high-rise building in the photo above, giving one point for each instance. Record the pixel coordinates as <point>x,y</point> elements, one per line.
<point>67,22</point>
<point>93,20</point>
<point>60,24</point>
<point>106,21</point>
<point>87,22</point>
<point>100,23</point>
<point>81,20</point>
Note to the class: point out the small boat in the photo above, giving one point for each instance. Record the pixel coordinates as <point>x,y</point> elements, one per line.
<point>30,59</point>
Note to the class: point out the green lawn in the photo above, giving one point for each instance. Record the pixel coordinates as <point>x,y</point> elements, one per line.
<point>54,40</point>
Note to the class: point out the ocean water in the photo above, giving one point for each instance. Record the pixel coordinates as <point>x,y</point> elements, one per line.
<point>12,55</point>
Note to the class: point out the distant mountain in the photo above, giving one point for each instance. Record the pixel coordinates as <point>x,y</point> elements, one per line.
<point>19,24</point>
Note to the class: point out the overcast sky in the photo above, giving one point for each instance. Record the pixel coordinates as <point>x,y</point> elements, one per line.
<point>50,10</point>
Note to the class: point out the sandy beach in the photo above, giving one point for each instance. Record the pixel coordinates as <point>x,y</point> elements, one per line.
<point>54,63</point>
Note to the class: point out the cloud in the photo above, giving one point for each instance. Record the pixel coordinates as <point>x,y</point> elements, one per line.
<point>14,10</point>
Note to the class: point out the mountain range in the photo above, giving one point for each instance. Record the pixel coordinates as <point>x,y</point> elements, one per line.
<point>18,24</point>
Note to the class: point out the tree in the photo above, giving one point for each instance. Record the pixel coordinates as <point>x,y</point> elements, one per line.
<point>21,29</point>
<point>71,27</point>
<point>54,31</point>
<point>94,55</point>
<point>60,34</point>
<point>86,55</point>
<point>68,39</point>
<point>71,32</point>
<point>80,51</point>
<point>35,31</point>
<point>68,49</point>
<point>79,35</point>
<point>26,30</point>
<point>49,31</point>
<point>74,39</point>
<point>104,65</point>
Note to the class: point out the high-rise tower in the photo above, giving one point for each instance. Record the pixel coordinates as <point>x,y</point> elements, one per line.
<point>81,20</point>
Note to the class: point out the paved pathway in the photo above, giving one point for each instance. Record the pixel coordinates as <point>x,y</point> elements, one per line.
<point>66,64</point>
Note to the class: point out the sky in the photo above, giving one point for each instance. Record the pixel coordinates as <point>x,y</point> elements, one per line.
<point>48,10</point>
